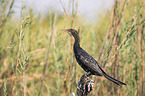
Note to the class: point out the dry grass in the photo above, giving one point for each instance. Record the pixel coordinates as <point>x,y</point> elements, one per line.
<point>27,61</point>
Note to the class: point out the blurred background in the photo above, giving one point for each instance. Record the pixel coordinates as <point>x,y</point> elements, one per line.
<point>36,57</point>
<point>89,10</point>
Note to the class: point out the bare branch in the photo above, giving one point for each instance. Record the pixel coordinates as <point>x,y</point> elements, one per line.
<point>85,85</point>
<point>46,63</point>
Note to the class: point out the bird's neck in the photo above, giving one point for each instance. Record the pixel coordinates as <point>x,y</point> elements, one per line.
<point>76,44</point>
<point>77,40</point>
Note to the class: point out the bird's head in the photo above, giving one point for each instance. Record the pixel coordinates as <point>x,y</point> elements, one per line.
<point>70,31</point>
<point>75,34</point>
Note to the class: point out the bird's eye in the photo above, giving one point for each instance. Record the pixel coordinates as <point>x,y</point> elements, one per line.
<point>69,30</point>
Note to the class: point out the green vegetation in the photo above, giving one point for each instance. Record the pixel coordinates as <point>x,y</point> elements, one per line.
<point>116,41</point>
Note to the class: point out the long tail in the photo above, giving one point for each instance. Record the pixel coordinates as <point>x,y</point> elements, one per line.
<point>114,80</point>
<point>111,78</point>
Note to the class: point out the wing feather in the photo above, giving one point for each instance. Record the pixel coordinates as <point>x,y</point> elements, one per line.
<point>87,62</point>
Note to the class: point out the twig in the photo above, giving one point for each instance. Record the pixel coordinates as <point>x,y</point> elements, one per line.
<point>107,36</point>
<point>117,28</point>
<point>37,50</point>
<point>112,29</point>
<point>8,14</point>
<point>118,22</point>
<point>21,30</point>
<point>129,31</point>
<point>65,12</point>
<point>46,62</point>
<point>24,81</point>
<point>142,57</point>
<point>72,60</point>
<point>19,47</point>
<point>72,21</point>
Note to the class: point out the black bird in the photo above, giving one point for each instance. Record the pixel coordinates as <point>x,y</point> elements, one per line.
<point>87,62</point>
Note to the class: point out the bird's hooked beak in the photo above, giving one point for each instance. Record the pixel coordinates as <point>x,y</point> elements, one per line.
<point>66,30</point>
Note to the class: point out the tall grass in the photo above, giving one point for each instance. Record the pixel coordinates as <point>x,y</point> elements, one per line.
<point>116,41</point>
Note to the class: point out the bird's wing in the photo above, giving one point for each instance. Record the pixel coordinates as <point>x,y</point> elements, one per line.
<point>86,60</point>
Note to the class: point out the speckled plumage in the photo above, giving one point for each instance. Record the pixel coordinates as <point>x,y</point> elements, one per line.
<point>87,62</point>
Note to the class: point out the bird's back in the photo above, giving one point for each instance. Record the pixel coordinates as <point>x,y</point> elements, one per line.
<point>87,62</point>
